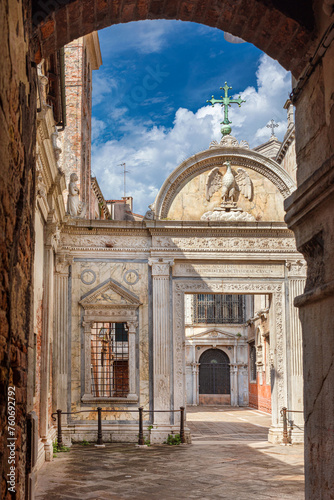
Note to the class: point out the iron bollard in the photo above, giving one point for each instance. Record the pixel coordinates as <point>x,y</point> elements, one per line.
<point>60,436</point>
<point>285,426</point>
<point>99,426</point>
<point>141,432</point>
<point>182,435</point>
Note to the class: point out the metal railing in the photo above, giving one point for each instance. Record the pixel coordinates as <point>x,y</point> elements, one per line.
<point>141,440</point>
<point>284,412</point>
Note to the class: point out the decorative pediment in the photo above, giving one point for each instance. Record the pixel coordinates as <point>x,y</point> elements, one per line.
<point>110,294</point>
<point>213,334</point>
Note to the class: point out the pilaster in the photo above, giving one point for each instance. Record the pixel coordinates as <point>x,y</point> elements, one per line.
<point>60,333</point>
<point>162,339</point>
<point>132,326</point>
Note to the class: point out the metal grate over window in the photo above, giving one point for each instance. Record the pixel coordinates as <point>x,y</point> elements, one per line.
<point>218,309</point>
<point>252,362</point>
<point>110,360</point>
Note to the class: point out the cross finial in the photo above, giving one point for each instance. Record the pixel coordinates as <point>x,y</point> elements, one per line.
<point>272,125</point>
<point>225,102</point>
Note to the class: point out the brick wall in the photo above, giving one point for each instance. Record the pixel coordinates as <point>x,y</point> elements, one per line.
<point>17,147</point>
<point>75,140</point>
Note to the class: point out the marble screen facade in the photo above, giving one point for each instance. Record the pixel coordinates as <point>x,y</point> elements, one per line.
<point>141,278</point>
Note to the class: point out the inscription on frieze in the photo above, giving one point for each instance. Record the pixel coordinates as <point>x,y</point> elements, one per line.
<point>229,270</point>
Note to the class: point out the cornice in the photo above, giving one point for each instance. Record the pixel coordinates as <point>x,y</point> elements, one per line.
<point>288,139</point>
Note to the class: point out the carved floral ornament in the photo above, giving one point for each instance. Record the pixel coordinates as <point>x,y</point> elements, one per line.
<point>238,244</point>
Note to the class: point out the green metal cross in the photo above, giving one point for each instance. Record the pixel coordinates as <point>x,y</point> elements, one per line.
<point>225,102</point>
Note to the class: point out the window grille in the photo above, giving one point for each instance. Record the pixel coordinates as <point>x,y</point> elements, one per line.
<point>110,360</point>
<point>219,309</point>
<point>252,361</point>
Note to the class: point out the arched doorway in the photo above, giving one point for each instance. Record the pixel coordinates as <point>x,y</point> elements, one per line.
<point>214,377</point>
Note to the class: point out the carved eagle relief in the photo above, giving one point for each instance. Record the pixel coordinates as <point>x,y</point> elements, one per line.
<point>230,183</point>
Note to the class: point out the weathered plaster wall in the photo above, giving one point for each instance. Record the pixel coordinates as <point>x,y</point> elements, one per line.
<point>190,203</point>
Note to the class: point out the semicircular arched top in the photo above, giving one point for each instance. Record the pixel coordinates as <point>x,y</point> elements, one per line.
<point>284,30</point>
<point>215,157</point>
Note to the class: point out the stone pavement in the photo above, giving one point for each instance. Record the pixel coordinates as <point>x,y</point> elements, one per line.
<point>229,458</point>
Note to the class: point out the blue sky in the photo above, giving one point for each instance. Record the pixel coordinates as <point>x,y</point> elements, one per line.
<point>149,100</point>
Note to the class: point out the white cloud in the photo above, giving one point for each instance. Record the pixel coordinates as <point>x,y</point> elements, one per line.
<point>98,127</point>
<point>147,37</point>
<point>151,153</point>
<point>103,85</point>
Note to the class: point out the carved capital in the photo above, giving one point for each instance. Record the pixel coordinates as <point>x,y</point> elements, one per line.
<point>132,326</point>
<point>87,326</point>
<point>62,264</point>
<point>160,267</point>
<point>296,268</point>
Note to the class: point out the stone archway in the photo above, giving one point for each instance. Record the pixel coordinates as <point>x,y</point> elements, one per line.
<point>284,32</point>
<point>276,290</point>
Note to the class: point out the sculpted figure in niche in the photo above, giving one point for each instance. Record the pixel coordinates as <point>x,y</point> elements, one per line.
<point>75,207</point>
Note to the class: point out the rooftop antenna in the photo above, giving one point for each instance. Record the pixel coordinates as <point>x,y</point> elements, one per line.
<point>124,172</point>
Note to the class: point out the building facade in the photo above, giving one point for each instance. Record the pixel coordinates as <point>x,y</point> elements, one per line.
<point>192,304</point>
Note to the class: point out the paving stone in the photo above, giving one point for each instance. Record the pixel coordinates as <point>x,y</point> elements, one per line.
<point>216,468</point>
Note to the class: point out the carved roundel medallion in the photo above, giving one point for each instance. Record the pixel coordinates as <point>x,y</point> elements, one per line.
<point>88,277</point>
<point>131,277</point>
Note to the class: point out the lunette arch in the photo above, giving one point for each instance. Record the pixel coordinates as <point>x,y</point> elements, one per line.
<point>206,160</point>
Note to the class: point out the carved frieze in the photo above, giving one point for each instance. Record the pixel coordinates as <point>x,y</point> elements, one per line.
<point>104,242</point>
<point>228,244</point>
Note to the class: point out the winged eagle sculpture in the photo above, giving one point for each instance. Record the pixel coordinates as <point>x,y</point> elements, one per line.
<point>230,183</point>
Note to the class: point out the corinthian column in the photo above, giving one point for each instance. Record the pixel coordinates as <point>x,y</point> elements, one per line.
<point>162,339</point>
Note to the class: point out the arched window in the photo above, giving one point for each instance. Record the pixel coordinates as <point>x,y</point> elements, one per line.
<point>214,372</point>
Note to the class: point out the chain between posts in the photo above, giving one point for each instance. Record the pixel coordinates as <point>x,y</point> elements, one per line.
<point>99,410</point>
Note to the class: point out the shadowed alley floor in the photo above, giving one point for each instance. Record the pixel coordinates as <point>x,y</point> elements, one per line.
<point>229,458</point>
